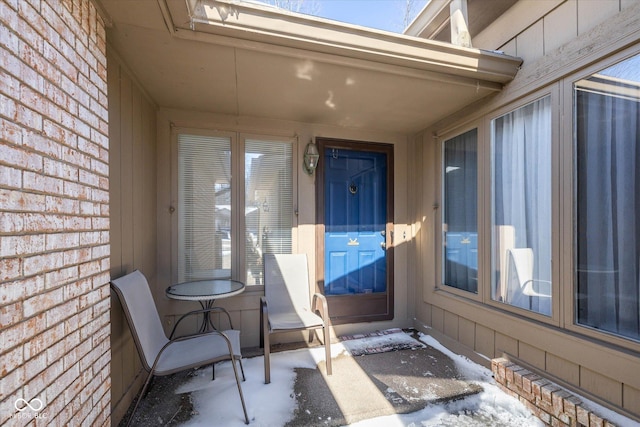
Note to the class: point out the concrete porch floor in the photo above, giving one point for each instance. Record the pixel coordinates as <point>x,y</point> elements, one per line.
<point>361,388</point>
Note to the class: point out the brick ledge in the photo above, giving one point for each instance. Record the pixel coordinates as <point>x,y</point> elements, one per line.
<point>551,403</point>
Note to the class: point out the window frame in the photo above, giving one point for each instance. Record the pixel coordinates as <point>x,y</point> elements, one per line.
<point>552,91</point>
<point>560,87</point>
<point>485,203</point>
<point>440,259</point>
<point>242,138</point>
<point>570,235</point>
<point>237,144</point>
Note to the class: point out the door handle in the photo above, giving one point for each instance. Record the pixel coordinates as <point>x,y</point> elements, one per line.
<point>383,245</point>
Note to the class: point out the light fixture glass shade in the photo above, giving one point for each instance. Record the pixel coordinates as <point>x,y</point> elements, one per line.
<point>311,157</point>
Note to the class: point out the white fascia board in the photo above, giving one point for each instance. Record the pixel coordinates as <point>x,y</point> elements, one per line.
<point>429,19</point>
<point>250,22</point>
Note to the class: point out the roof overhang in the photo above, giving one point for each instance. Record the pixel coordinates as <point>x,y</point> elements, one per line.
<point>249,59</point>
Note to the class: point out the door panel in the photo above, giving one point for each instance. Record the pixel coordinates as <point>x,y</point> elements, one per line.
<point>355,223</point>
<point>356,215</point>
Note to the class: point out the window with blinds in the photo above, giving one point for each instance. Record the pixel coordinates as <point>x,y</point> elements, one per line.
<point>204,207</point>
<point>208,244</point>
<point>268,202</point>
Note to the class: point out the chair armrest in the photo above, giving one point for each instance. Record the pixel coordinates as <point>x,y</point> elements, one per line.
<point>202,310</point>
<point>323,310</point>
<point>535,287</point>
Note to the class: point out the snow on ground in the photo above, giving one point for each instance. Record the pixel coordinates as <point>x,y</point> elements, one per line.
<point>268,405</point>
<point>272,405</point>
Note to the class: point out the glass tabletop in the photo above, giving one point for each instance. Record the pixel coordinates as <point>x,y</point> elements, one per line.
<point>205,289</point>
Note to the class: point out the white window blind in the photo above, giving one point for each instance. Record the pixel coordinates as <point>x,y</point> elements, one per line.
<point>268,202</point>
<point>204,207</point>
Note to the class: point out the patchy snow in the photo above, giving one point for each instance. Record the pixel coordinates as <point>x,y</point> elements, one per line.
<point>274,404</point>
<point>483,376</point>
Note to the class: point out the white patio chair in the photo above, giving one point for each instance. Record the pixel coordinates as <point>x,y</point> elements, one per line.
<point>287,307</point>
<point>521,259</point>
<point>162,356</point>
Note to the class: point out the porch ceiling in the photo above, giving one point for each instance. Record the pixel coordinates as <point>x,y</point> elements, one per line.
<point>244,59</point>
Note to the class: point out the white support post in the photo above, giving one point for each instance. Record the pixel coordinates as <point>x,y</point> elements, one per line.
<point>459,29</point>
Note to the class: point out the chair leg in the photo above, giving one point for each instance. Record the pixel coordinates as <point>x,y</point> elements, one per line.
<point>267,359</point>
<point>327,348</point>
<point>144,390</point>
<point>213,371</point>
<point>244,407</point>
<point>242,370</point>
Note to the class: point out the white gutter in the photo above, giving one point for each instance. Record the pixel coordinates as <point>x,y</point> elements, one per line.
<point>250,25</point>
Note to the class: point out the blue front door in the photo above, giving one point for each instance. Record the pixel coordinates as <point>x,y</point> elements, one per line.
<point>356,232</point>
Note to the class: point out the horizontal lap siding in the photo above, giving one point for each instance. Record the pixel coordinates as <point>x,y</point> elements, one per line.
<point>54,214</point>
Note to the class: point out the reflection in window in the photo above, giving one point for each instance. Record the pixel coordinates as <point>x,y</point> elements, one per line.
<point>460,216</point>
<point>268,202</point>
<point>607,211</point>
<point>204,207</point>
<point>521,241</point>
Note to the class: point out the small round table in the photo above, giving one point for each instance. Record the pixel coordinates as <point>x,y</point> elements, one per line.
<point>205,292</point>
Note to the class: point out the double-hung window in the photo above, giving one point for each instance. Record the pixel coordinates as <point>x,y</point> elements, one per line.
<point>607,203</point>
<point>235,202</point>
<point>521,207</point>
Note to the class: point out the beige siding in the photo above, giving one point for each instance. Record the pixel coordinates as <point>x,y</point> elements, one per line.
<point>532,29</point>
<point>466,332</point>
<point>451,325</point>
<point>532,355</point>
<point>505,344</point>
<point>133,207</point>
<point>561,26</point>
<point>485,341</point>
<point>530,43</point>
<point>600,385</point>
<point>563,369</point>
<point>630,397</point>
<point>593,12</point>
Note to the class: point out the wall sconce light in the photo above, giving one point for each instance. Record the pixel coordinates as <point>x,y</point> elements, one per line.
<point>311,156</point>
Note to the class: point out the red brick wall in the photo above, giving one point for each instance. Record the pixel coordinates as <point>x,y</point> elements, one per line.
<point>54,214</point>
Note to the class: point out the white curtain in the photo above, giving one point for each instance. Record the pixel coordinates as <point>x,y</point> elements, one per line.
<point>608,203</point>
<point>522,196</point>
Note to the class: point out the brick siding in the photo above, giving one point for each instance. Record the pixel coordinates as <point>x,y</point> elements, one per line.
<point>551,403</point>
<point>54,214</point>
